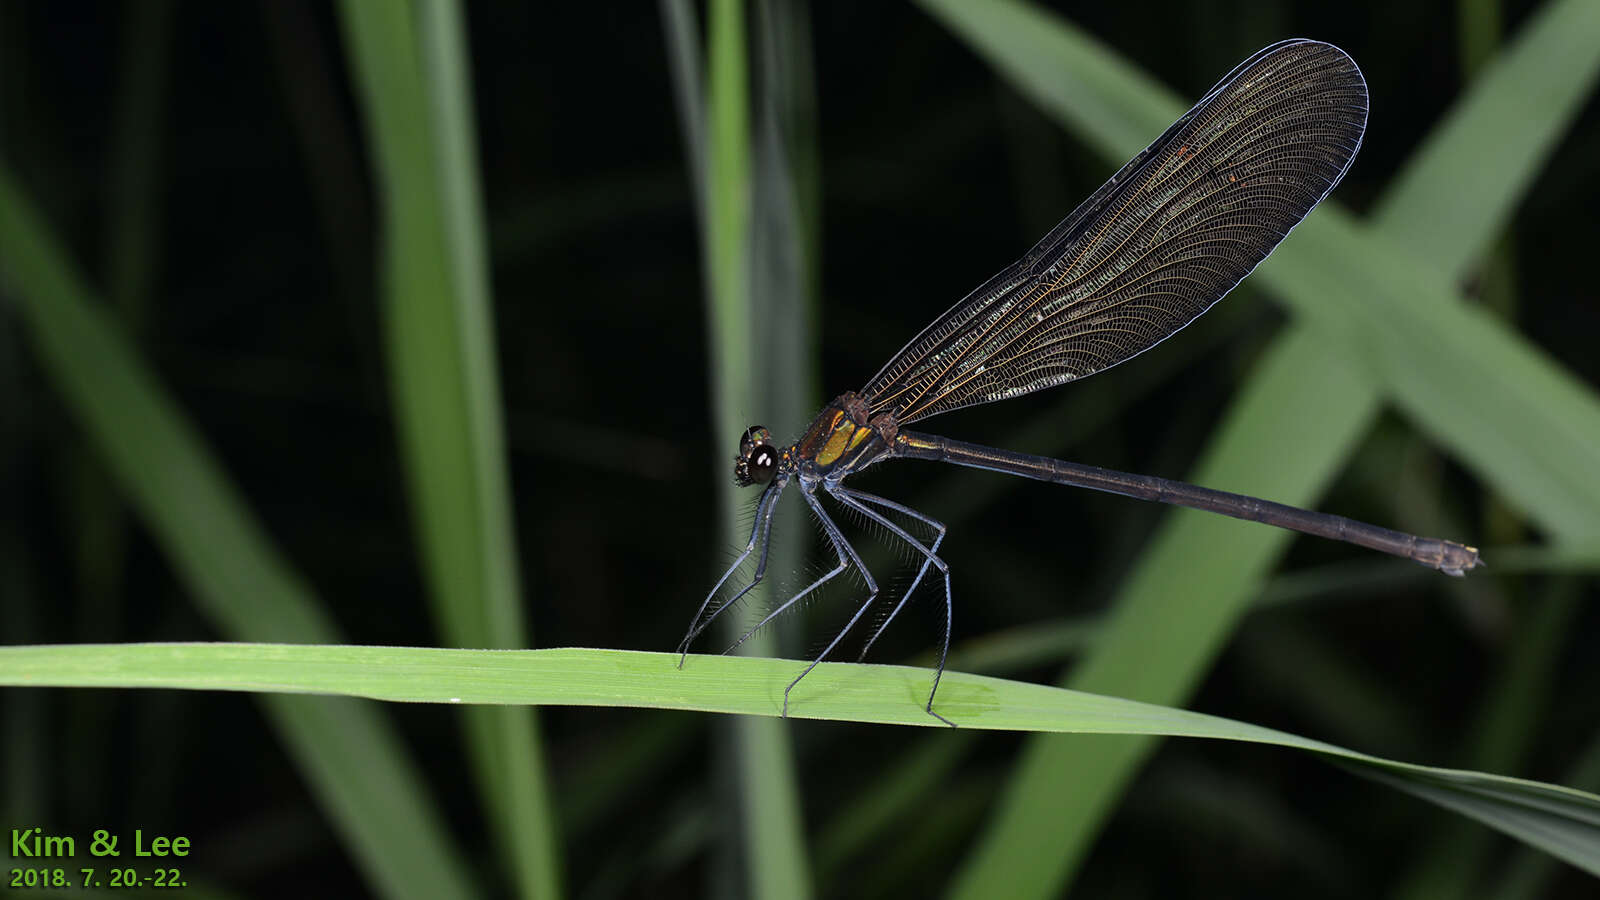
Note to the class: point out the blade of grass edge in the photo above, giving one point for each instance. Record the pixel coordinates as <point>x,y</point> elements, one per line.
<point>133,232</point>
<point>680,32</point>
<point>354,764</point>
<point>442,368</point>
<point>914,771</point>
<point>1563,821</point>
<point>1501,737</point>
<point>1528,873</point>
<point>1504,729</point>
<point>776,863</point>
<point>528,839</point>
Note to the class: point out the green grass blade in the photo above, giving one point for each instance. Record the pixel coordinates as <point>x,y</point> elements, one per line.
<point>446,73</point>
<point>1488,396</point>
<point>1353,709</point>
<point>528,838</point>
<point>1562,821</point>
<point>890,798</point>
<point>962,802</point>
<point>1506,730</point>
<point>776,861</point>
<point>133,227</point>
<point>1252,812</point>
<point>727,170</point>
<point>1305,669</point>
<point>1477,32</point>
<point>1519,105</point>
<point>1552,819</point>
<point>782,239</point>
<point>680,30</point>
<point>133,236</point>
<point>1179,606</point>
<point>353,762</point>
<point>1117,110</point>
<point>609,775</point>
<point>416,92</point>
<point>1528,874</point>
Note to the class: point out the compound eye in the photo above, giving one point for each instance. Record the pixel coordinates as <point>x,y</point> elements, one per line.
<point>757,460</point>
<point>763,463</point>
<point>753,437</point>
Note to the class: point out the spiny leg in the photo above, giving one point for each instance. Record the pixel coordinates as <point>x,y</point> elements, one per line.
<point>857,500</point>
<point>841,546</point>
<point>930,554</point>
<point>762,528</point>
<point>844,563</point>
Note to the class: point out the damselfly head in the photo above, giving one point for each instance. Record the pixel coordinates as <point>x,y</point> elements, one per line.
<point>757,460</point>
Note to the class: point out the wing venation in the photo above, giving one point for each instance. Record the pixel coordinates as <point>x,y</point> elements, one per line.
<point>1168,236</point>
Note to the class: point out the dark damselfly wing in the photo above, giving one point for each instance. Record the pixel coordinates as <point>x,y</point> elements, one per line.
<point>1182,223</point>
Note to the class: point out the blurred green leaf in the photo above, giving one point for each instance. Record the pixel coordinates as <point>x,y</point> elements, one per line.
<point>1562,821</point>
<point>680,30</point>
<point>354,763</point>
<point>443,368</point>
<point>910,779</point>
<point>775,859</point>
<point>1486,395</point>
<point>1503,734</point>
<point>1528,874</point>
<point>133,238</point>
<point>911,775</point>
<point>1180,604</point>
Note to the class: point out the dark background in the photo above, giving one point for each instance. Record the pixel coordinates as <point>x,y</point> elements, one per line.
<point>261,319</point>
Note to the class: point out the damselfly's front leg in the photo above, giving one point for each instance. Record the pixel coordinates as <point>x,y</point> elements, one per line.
<point>760,529</point>
<point>930,554</point>
<point>844,563</point>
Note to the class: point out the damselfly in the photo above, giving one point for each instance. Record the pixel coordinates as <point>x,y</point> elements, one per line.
<point>1168,236</point>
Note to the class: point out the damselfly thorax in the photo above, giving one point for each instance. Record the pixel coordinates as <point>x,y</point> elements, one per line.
<point>843,439</point>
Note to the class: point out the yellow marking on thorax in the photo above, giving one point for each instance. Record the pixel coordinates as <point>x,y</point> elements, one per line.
<point>860,437</point>
<point>838,440</point>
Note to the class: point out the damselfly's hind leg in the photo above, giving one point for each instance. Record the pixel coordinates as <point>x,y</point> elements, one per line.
<point>930,554</point>
<point>858,501</point>
<point>760,531</point>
